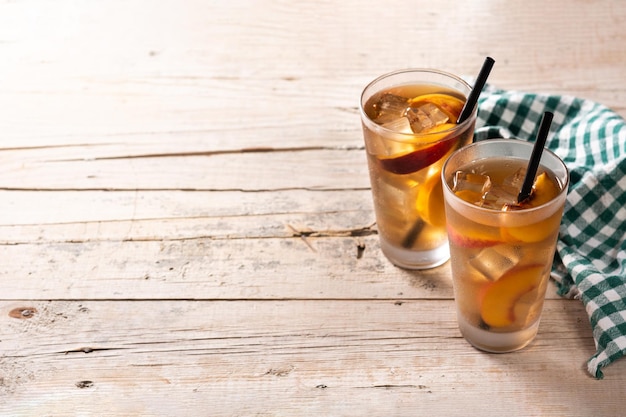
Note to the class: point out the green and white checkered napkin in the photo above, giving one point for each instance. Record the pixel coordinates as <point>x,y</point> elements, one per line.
<point>590,263</point>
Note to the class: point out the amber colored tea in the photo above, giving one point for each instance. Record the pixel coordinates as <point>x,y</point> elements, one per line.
<point>410,130</point>
<point>501,250</point>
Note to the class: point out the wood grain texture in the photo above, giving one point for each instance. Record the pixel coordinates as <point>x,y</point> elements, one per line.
<point>284,357</point>
<point>186,225</point>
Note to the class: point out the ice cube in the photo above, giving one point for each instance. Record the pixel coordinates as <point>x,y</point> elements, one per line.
<point>516,179</point>
<point>500,197</point>
<point>425,116</point>
<point>400,125</point>
<point>494,261</point>
<point>468,181</point>
<point>389,108</point>
<point>397,196</point>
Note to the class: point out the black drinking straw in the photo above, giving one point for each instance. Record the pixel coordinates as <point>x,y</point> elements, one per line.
<point>535,157</point>
<point>472,98</point>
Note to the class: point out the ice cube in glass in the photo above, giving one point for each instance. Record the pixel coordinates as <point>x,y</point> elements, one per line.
<point>493,262</point>
<point>468,181</point>
<point>516,179</point>
<point>500,197</point>
<point>425,116</point>
<point>390,107</point>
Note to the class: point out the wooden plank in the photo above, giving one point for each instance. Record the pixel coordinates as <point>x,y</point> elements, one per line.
<point>34,216</point>
<point>349,358</point>
<point>258,171</point>
<point>204,268</point>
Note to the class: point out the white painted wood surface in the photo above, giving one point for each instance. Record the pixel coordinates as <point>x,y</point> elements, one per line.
<point>185,219</point>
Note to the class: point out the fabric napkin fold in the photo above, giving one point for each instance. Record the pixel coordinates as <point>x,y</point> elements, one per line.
<point>590,263</point>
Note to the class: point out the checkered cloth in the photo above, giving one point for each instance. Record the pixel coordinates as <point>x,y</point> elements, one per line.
<point>590,262</point>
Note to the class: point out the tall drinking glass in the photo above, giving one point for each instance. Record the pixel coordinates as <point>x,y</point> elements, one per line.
<point>501,250</point>
<point>409,125</point>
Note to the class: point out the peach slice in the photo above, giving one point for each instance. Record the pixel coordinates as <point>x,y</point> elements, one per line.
<point>498,301</point>
<point>450,105</point>
<point>544,190</point>
<point>423,157</point>
<point>472,237</point>
<point>472,197</point>
<point>430,201</point>
<point>532,233</point>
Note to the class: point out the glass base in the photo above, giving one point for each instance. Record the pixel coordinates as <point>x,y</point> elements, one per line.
<point>497,342</point>
<point>413,259</point>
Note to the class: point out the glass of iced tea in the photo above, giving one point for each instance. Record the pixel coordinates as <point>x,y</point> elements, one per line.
<point>501,250</point>
<point>409,120</point>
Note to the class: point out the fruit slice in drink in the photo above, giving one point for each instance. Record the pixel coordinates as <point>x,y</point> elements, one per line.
<point>449,105</point>
<point>466,236</point>
<point>427,114</point>
<point>497,307</point>
<point>430,201</point>
<point>544,190</point>
<point>422,157</point>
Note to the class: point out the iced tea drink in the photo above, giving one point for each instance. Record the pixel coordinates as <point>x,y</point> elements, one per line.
<point>501,250</point>
<point>410,127</point>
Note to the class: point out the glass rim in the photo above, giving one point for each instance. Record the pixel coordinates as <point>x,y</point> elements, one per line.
<point>515,142</point>
<point>401,136</point>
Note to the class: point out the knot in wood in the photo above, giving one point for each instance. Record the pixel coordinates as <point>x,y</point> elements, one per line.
<point>23,312</point>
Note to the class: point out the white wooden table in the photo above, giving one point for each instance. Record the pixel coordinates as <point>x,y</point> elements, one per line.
<point>186,224</point>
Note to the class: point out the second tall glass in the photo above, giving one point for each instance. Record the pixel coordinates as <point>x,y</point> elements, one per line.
<point>410,127</point>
